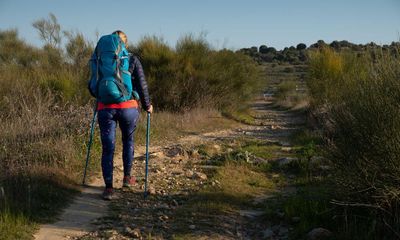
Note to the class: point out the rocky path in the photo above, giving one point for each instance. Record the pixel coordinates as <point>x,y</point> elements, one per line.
<point>274,124</point>
<point>176,172</point>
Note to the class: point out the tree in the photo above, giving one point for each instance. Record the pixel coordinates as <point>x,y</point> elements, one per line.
<point>318,44</point>
<point>268,57</point>
<point>49,30</point>
<point>345,44</point>
<point>78,48</point>
<point>301,46</point>
<point>271,50</point>
<point>263,49</point>
<point>335,44</point>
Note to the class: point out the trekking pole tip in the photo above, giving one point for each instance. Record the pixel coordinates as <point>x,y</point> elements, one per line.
<point>146,194</point>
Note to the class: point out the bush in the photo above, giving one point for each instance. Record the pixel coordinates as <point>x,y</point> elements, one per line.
<point>286,87</point>
<point>287,95</point>
<point>190,76</point>
<point>158,61</point>
<point>360,98</point>
<point>331,74</point>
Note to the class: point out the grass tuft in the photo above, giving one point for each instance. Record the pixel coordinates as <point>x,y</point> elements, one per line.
<point>15,226</point>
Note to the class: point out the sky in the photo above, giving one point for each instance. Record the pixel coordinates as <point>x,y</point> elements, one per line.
<point>232,24</point>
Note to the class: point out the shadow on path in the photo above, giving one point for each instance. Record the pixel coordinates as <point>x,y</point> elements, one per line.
<point>76,219</point>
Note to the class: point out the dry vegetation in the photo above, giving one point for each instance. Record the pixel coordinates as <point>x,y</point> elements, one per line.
<point>355,98</point>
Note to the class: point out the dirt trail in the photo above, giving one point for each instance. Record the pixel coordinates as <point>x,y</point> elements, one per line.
<point>77,218</point>
<point>272,125</point>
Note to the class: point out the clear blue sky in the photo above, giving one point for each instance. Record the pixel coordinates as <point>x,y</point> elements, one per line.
<point>228,23</point>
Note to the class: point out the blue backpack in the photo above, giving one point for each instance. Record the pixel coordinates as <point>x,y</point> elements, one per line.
<point>110,80</point>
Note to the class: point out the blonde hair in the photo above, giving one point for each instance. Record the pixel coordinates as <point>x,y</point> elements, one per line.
<point>122,35</point>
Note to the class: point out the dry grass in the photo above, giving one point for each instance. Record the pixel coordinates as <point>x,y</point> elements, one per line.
<point>41,156</point>
<point>168,127</point>
<point>40,133</point>
<point>11,225</point>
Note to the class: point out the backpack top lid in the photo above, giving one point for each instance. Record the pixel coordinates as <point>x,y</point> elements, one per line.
<point>110,43</point>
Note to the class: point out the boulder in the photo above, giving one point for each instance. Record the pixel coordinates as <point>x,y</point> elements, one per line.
<point>286,160</point>
<point>268,233</point>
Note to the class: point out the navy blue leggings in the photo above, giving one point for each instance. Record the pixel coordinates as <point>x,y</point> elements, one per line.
<point>127,119</point>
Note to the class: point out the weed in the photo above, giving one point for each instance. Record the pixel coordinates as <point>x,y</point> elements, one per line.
<point>311,205</point>
<point>305,136</point>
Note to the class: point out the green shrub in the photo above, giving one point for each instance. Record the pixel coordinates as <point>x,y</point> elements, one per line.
<point>194,75</point>
<point>360,98</point>
<point>333,74</point>
<point>288,96</point>
<point>285,88</point>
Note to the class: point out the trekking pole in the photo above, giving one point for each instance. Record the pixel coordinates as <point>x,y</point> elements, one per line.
<point>147,155</point>
<point>90,143</point>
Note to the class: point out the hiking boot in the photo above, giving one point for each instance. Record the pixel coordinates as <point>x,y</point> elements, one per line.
<point>108,194</point>
<point>129,181</point>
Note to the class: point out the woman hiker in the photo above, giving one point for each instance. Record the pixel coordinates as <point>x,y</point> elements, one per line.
<point>126,114</point>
